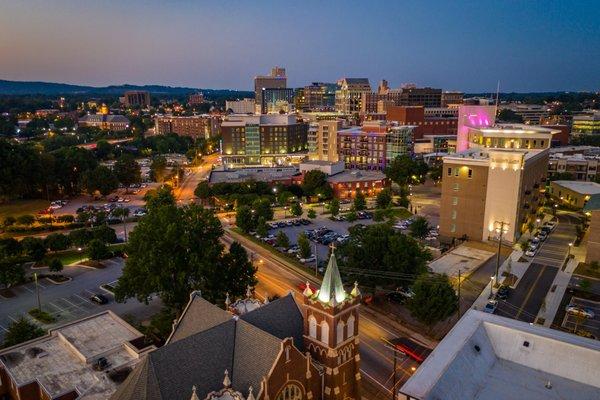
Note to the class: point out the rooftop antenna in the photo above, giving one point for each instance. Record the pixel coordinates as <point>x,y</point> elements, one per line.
<point>497,94</point>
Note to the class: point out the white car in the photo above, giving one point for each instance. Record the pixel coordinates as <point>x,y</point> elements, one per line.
<point>530,252</point>
<point>310,259</point>
<point>580,311</point>
<point>551,224</point>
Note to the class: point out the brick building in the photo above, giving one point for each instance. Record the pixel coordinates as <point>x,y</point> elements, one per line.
<point>432,124</point>
<point>197,126</point>
<point>136,98</point>
<point>280,351</point>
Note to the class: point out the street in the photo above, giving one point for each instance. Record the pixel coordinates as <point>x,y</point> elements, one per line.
<point>185,192</point>
<point>277,277</point>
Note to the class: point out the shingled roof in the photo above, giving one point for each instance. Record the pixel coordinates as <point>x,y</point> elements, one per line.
<point>204,344</point>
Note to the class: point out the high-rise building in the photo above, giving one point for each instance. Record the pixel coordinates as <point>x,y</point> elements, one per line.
<point>452,98</point>
<point>136,98</point>
<point>415,96</point>
<point>322,140</point>
<point>276,80</point>
<point>318,96</point>
<point>348,96</point>
<point>374,145</point>
<point>197,126</point>
<point>275,139</point>
<point>276,101</point>
<point>497,183</point>
<point>244,106</point>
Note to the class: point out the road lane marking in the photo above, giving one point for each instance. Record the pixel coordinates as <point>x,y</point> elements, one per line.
<point>530,291</point>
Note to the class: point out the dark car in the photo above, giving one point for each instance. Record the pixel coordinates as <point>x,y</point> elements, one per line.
<point>99,299</point>
<point>503,292</point>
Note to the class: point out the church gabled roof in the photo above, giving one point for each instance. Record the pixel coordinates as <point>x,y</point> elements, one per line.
<point>208,341</point>
<point>332,288</point>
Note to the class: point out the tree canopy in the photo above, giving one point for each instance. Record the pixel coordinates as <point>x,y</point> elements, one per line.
<point>434,298</point>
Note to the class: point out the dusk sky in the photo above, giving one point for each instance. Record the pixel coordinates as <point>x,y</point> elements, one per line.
<point>455,45</point>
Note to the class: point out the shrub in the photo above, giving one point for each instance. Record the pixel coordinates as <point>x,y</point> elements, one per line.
<point>55,265</point>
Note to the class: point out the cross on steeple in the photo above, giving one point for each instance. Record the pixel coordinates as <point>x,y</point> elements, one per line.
<point>332,247</point>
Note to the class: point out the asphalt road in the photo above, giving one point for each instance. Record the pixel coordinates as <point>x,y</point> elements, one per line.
<point>525,300</point>
<point>185,192</point>
<point>70,301</point>
<point>276,277</point>
<point>554,249</point>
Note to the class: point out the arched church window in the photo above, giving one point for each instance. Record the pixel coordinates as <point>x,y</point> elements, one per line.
<point>340,332</point>
<point>350,326</point>
<point>290,392</point>
<point>312,326</point>
<point>325,332</point>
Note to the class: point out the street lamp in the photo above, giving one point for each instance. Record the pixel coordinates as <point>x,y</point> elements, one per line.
<point>501,228</point>
<point>491,285</point>
<point>569,250</point>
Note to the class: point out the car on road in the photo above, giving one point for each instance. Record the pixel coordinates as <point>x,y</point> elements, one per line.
<point>411,348</point>
<point>580,311</point>
<point>551,225</point>
<point>99,299</point>
<point>302,286</point>
<point>530,251</point>
<point>503,292</point>
<point>543,235</point>
<point>405,292</point>
<point>491,306</point>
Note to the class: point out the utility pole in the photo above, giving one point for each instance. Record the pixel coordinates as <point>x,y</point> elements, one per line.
<point>37,291</point>
<point>458,293</point>
<point>502,223</point>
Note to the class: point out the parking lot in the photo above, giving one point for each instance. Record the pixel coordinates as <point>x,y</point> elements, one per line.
<point>574,322</point>
<point>71,300</point>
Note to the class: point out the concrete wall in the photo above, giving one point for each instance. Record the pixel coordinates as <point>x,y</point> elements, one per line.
<point>593,241</point>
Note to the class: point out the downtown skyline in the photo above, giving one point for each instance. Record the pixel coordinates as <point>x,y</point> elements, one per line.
<point>535,46</point>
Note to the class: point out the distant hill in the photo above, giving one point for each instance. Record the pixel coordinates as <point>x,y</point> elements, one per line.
<point>49,88</point>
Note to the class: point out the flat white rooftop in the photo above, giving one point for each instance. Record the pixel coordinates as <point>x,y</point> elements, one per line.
<point>580,187</point>
<point>488,357</point>
<point>62,361</point>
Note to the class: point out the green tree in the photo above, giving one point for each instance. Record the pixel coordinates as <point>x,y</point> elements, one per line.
<point>55,265</point>
<point>379,215</point>
<point>244,218</point>
<point>352,216</point>
<point>434,299</point>
<point>311,213</point>
<point>360,203</point>
<point>304,245</point>
<point>127,170</point>
<point>508,115</point>
<point>334,207</point>
<point>174,251</point>
<point>100,179</point>
<point>20,331</point>
<point>9,221</point>
<point>158,169</point>
<point>159,197</point>
<point>380,248</point>
<point>296,209</point>
<point>103,149</point>
<point>235,274</point>
<point>105,234</point>
<point>97,250</point>
<point>34,248</point>
<point>262,208</point>
<point>261,227</point>
<point>11,271</point>
<point>420,228</point>
<point>283,240</point>
<point>57,241</point>
<point>313,182</point>
<point>26,219</point>
<point>384,198</point>
<point>123,213</point>
<point>80,237</point>
<point>203,191</point>
<point>10,247</point>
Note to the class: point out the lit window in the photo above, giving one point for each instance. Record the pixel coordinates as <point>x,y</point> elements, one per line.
<point>456,187</point>
<point>453,214</point>
<point>453,228</point>
<point>454,201</point>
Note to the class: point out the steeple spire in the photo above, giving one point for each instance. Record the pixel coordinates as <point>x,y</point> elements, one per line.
<point>194,395</point>
<point>332,288</point>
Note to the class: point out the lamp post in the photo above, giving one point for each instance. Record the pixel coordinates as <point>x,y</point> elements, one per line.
<point>501,230</point>
<point>569,250</point>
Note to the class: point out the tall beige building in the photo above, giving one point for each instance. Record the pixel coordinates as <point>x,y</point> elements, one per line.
<point>496,183</point>
<point>322,140</point>
<point>348,97</point>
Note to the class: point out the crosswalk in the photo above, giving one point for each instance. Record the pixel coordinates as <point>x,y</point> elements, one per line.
<point>555,248</point>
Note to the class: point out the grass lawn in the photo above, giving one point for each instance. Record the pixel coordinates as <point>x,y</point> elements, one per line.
<point>22,207</point>
<point>66,257</point>
<point>586,270</point>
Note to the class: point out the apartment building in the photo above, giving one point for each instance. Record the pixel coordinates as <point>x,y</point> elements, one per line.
<point>318,96</point>
<point>436,121</point>
<point>580,167</point>
<point>275,80</point>
<point>196,126</point>
<point>323,140</point>
<point>415,96</point>
<point>374,145</point>
<point>496,182</point>
<point>196,99</point>
<point>452,98</point>
<point>274,139</point>
<point>573,193</point>
<point>348,96</point>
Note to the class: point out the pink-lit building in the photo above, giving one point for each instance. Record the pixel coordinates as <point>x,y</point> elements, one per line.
<point>472,117</point>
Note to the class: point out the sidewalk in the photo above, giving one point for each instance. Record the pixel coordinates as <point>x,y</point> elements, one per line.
<point>556,293</point>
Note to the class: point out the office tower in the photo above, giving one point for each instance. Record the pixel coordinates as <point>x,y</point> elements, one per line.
<point>276,80</point>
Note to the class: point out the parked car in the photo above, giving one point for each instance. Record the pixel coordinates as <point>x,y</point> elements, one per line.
<point>99,299</point>
<point>580,311</point>
<point>530,252</point>
<point>310,259</point>
<point>503,292</point>
<point>405,292</point>
<point>543,236</point>
<point>491,306</point>
<point>551,225</point>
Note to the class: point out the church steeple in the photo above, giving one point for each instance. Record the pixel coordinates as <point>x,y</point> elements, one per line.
<point>332,288</point>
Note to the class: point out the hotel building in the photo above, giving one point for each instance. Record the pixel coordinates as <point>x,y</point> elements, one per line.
<point>197,126</point>
<point>323,140</point>
<point>588,123</point>
<point>276,80</point>
<point>276,139</point>
<point>348,97</point>
<point>497,181</point>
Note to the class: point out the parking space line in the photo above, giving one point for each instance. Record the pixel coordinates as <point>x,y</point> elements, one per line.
<point>74,305</point>
<point>85,300</point>
<point>3,328</point>
<point>29,290</point>
<point>14,320</point>
<point>60,309</point>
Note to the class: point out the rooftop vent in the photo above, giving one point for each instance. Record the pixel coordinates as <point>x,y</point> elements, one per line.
<point>477,348</point>
<point>526,343</point>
